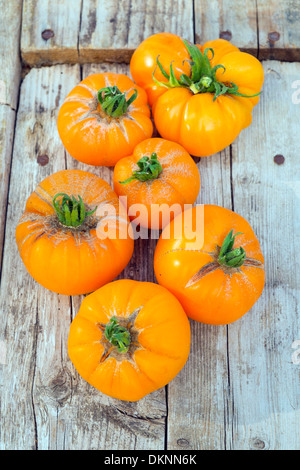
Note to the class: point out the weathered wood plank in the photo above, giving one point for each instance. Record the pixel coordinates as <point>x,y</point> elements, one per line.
<point>50,31</point>
<point>107,30</point>
<point>264,380</point>
<point>30,316</point>
<point>266,29</point>
<point>7,127</point>
<point>199,401</point>
<point>111,31</point>
<point>242,380</point>
<point>9,92</point>
<point>278,30</point>
<point>235,22</point>
<point>60,410</point>
<point>10,26</point>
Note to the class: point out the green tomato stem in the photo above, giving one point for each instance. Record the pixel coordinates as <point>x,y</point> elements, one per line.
<point>113,102</point>
<point>70,211</point>
<point>232,258</point>
<point>117,335</point>
<point>149,169</point>
<point>202,78</point>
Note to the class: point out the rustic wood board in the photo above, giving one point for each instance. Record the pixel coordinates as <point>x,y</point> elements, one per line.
<point>240,387</point>
<point>58,410</point>
<point>107,30</point>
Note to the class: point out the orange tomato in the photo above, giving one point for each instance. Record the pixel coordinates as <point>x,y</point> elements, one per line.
<point>158,179</point>
<point>207,107</point>
<point>129,338</point>
<point>210,259</point>
<point>66,236</point>
<point>168,47</point>
<point>103,118</point>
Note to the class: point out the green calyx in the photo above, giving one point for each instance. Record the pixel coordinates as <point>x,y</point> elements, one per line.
<point>149,169</point>
<point>113,102</point>
<point>229,257</point>
<point>202,78</point>
<point>117,335</point>
<point>70,211</point>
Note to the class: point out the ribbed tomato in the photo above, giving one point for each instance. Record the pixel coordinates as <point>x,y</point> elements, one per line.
<point>103,118</point>
<point>205,108</point>
<point>129,338</point>
<point>158,180</point>
<point>74,236</point>
<point>211,260</point>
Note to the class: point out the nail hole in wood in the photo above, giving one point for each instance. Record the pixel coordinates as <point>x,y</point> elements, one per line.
<point>43,160</point>
<point>47,34</point>
<point>279,159</point>
<point>273,36</point>
<point>226,35</point>
<point>183,442</point>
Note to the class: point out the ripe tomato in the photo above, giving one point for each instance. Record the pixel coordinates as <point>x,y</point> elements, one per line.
<point>103,118</point>
<point>205,108</point>
<point>60,235</point>
<point>210,259</point>
<point>158,179</point>
<point>129,338</point>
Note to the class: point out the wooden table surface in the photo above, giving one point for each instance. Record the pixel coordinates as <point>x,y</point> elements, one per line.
<point>240,387</point>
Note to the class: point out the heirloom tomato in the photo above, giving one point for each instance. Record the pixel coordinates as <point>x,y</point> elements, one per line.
<point>129,338</point>
<point>158,179</point>
<point>103,118</point>
<point>205,107</point>
<point>74,236</point>
<point>211,260</point>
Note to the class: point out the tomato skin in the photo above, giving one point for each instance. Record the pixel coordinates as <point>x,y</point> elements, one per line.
<point>91,136</point>
<point>202,126</point>
<point>177,185</point>
<point>65,260</point>
<point>220,296</point>
<point>161,339</point>
<point>169,48</point>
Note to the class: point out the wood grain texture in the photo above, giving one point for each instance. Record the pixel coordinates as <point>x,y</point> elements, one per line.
<point>240,389</point>
<point>50,31</point>
<point>10,26</point>
<point>199,399</point>
<point>266,29</point>
<point>278,30</point>
<point>58,409</point>
<point>9,94</point>
<point>222,19</point>
<point>111,31</point>
<point>260,346</point>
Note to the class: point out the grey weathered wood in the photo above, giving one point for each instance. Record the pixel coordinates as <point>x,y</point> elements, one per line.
<point>265,382</point>
<point>267,29</point>
<point>240,389</point>
<point>50,31</point>
<point>33,321</point>
<point>278,30</point>
<point>7,123</point>
<point>236,22</point>
<point>58,409</point>
<point>9,91</point>
<point>10,24</point>
<point>199,400</point>
<point>110,31</point>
